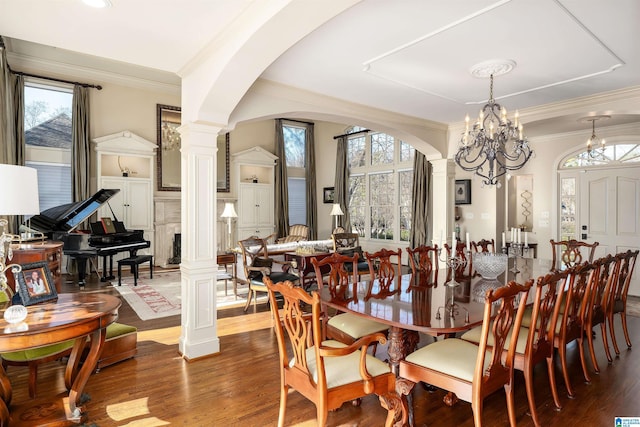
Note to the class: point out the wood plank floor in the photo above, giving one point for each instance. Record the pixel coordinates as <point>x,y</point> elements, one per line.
<point>240,386</point>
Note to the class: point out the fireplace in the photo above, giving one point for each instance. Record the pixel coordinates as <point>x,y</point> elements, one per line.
<point>177,249</point>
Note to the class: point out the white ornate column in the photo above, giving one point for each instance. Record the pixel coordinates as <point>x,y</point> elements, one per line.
<point>198,264</point>
<point>443,186</point>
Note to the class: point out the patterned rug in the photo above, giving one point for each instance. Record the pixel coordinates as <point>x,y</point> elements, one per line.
<point>160,296</point>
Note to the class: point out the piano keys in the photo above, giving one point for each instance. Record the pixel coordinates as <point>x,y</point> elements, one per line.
<point>60,223</point>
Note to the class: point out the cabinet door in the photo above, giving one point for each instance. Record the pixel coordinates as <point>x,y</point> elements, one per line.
<point>138,215</point>
<point>264,206</point>
<point>117,202</point>
<point>246,206</point>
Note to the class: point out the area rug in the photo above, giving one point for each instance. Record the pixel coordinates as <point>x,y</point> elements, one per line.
<point>161,296</point>
<point>633,306</point>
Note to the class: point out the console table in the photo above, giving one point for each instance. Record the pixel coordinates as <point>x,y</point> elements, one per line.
<point>73,316</point>
<point>49,251</point>
<point>226,258</point>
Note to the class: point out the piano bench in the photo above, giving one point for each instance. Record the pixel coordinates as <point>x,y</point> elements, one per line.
<point>135,262</point>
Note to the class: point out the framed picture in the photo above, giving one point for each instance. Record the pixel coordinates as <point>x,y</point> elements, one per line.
<point>463,192</point>
<point>328,194</point>
<point>35,283</point>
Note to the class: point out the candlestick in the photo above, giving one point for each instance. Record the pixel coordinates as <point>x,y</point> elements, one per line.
<point>504,243</point>
<point>526,242</point>
<point>468,242</point>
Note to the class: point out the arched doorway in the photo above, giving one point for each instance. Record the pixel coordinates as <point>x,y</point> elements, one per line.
<point>600,199</point>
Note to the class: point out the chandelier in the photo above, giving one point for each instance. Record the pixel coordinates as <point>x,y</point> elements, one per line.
<point>171,140</point>
<point>494,145</point>
<point>593,139</point>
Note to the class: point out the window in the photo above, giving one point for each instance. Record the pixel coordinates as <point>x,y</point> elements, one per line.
<point>568,208</point>
<point>295,153</point>
<point>47,124</point>
<point>620,153</point>
<point>380,186</point>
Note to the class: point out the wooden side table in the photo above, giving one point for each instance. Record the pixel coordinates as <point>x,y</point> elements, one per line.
<point>225,259</point>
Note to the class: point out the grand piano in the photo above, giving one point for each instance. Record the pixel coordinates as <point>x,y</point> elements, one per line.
<point>61,222</point>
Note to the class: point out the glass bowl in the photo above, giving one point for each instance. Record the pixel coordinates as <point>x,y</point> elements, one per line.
<point>489,265</point>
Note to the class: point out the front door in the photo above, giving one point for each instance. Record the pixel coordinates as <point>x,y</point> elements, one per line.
<point>609,213</point>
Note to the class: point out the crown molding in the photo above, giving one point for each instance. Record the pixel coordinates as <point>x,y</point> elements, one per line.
<point>27,63</point>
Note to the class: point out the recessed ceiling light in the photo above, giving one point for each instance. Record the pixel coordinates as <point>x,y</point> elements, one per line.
<point>97,3</point>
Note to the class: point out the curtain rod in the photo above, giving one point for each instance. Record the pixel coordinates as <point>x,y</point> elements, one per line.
<point>297,121</point>
<point>352,133</point>
<point>20,73</point>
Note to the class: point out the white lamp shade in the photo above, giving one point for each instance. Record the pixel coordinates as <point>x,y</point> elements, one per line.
<point>335,210</point>
<point>229,211</point>
<point>19,190</point>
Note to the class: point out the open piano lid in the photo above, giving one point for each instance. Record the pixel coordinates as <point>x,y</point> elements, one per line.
<point>68,217</point>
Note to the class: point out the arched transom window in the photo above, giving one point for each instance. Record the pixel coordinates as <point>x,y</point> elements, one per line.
<point>614,154</point>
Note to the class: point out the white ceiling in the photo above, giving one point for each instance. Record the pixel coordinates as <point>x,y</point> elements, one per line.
<point>407,56</point>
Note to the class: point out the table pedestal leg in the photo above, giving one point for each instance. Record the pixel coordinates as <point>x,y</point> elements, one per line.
<point>401,343</point>
<point>5,395</point>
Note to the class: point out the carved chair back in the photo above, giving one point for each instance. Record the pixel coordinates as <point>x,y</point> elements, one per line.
<point>423,261</point>
<point>385,268</point>
<point>568,253</point>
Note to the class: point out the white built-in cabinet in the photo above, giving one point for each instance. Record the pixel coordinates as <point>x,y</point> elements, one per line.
<point>126,161</point>
<point>254,176</point>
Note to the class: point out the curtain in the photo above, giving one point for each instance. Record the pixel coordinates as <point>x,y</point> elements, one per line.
<point>80,144</point>
<point>420,231</point>
<point>12,149</point>
<point>281,188</point>
<point>310,178</point>
<point>341,190</point>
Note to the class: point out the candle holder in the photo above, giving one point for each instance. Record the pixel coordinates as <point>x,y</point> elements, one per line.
<point>453,262</point>
<point>517,250</point>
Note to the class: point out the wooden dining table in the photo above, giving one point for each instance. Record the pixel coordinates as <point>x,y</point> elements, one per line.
<point>74,316</point>
<point>412,309</point>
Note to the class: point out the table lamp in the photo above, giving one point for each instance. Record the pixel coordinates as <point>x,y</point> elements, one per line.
<point>19,197</point>
<point>336,212</point>
<point>229,212</point>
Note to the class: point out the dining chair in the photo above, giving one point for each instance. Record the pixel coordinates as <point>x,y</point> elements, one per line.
<point>595,309</point>
<point>570,312</point>
<point>257,265</point>
<point>344,327</point>
<point>535,340</point>
<point>385,269</point>
<point>464,272</point>
<point>484,245</point>
<point>349,244</point>
<point>326,372</point>
<point>423,261</point>
<point>470,371</point>
<point>617,303</point>
<point>569,253</point>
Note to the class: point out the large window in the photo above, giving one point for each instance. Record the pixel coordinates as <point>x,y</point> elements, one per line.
<point>380,186</point>
<point>47,124</point>
<point>295,153</point>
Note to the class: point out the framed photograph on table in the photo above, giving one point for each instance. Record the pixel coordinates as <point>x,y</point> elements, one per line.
<point>35,283</point>
<point>463,192</point>
<point>328,194</point>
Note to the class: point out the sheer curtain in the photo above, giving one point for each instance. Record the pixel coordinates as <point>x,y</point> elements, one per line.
<point>281,187</point>
<point>420,230</point>
<point>80,144</point>
<point>310,177</point>
<point>341,190</point>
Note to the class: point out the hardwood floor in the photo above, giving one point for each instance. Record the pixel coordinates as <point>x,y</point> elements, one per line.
<point>240,386</point>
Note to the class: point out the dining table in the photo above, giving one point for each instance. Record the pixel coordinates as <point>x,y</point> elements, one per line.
<point>75,316</point>
<point>413,305</point>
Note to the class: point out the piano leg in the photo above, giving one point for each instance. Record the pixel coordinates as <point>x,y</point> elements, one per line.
<point>81,263</point>
<point>104,277</point>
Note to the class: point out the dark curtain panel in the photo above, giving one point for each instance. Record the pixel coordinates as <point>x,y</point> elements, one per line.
<point>420,233</point>
<point>310,178</point>
<point>341,191</point>
<point>12,150</point>
<point>282,188</point>
<point>80,144</point>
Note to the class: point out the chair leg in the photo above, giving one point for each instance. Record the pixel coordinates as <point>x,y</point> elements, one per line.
<point>562,352</point>
<point>321,414</point>
<point>284,392</point>
<point>589,335</point>
<point>623,317</point>
<point>511,406</point>
<point>612,333</point>
<point>552,382</point>
<point>528,381</point>
<point>476,408</point>
<point>583,357</point>
<point>249,296</point>
<point>605,341</point>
